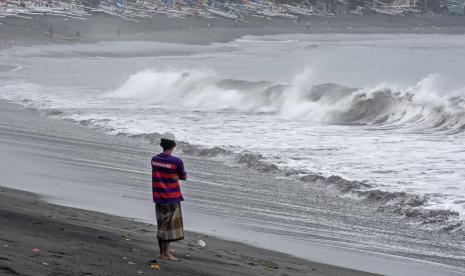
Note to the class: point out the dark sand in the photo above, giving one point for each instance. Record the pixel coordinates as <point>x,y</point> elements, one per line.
<point>78,242</point>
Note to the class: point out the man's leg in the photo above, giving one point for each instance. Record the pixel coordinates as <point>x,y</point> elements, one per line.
<point>161,245</point>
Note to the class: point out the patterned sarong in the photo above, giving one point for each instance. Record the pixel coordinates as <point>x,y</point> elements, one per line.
<point>169,221</point>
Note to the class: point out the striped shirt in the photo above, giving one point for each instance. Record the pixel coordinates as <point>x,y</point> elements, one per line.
<point>166,171</point>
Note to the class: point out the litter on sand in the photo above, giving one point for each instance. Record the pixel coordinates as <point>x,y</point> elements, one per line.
<point>270,265</point>
<point>35,250</point>
<point>155,266</point>
<point>125,238</point>
<point>201,243</point>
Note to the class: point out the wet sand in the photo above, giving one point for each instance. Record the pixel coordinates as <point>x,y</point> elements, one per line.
<point>79,242</point>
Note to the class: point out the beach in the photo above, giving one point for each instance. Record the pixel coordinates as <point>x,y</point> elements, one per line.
<point>255,217</point>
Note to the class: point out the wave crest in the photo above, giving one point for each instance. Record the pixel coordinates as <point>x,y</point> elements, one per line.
<point>421,107</point>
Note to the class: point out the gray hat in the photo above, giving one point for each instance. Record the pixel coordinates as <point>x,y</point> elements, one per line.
<point>168,136</point>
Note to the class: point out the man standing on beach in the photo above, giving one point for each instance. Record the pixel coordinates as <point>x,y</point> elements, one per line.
<point>167,170</point>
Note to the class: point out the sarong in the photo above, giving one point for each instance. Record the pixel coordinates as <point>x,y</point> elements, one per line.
<point>169,221</point>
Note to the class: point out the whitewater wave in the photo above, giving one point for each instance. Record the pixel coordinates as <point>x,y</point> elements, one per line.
<point>424,106</point>
<point>410,206</point>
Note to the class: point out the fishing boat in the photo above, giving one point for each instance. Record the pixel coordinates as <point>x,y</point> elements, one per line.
<point>298,10</point>
<point>276,14</point>
<point>222,14</point>
<point>203,13</point>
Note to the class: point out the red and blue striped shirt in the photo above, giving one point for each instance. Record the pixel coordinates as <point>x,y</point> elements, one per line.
<point>166,171</point>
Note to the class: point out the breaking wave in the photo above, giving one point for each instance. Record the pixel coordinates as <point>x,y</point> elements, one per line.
<point>410,206</point>
<point>424,106</point>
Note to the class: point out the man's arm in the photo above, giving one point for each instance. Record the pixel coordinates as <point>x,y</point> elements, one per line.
<point>180,170</point>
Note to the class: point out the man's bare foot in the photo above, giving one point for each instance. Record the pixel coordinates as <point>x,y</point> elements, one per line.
<point>171,257</point>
